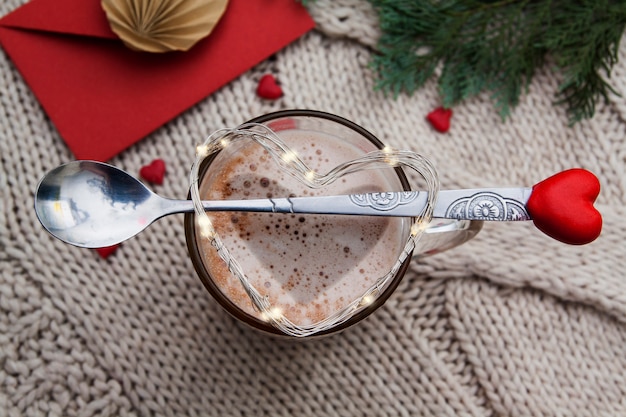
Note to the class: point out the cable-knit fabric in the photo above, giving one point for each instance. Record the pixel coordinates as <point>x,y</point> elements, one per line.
<point>510,324</point>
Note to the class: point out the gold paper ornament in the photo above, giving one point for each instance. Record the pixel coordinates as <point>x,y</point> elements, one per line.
<point>163,25</point>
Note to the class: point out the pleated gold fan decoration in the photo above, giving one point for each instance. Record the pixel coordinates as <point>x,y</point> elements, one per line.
<point>163,25</point>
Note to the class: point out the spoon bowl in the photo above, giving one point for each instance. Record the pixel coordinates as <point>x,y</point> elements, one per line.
<point>91,204</point>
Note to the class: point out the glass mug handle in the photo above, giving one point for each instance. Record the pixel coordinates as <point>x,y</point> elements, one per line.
<point>444,234</point>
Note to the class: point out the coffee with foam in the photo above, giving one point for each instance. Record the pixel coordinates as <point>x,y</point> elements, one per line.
<point>309,266</point>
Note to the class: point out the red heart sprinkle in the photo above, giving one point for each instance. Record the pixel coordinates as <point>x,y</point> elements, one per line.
<point>268,88</point>
<point>562,206</point>
<point>154,172</point>
<point>107,251</point>
<point>440,119</point>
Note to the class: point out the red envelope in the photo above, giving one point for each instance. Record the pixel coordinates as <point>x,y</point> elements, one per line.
<point>103,97</point>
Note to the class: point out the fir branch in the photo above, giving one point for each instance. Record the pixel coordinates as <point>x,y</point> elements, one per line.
<point>497,46</point>
<point>586,48</point>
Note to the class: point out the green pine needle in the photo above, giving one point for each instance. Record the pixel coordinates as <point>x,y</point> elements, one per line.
<point>496,46</point>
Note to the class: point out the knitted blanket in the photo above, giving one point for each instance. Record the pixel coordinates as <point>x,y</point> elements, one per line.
<point>512,323</point>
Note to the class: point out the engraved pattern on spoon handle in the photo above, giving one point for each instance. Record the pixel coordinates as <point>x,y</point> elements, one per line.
<point>494,204</point>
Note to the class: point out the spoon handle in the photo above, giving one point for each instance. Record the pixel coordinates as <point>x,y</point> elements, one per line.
<point>561,206</point>
<point>499,204</point>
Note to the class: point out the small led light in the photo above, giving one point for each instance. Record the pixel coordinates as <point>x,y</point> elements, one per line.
<point>310,176</point>
<point>273,314</point>
<point>224,142</point>
<point>289,156</point>
<point>367,300</point>
<point>390,159</point>
<point>202,150</point>
<point>418,228</point>
<point>206,227</point>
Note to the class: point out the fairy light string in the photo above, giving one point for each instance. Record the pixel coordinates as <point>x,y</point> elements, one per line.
<point>289,161</point>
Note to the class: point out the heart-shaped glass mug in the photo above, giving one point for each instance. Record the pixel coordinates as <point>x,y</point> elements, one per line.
<point>306,275</point>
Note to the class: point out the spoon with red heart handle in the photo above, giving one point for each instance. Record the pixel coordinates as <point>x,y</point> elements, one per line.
<point>92,204</point>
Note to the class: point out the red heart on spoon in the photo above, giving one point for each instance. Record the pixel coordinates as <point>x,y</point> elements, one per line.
<point>562,206</point>
<point>154,172</point>
<point>268,88</point>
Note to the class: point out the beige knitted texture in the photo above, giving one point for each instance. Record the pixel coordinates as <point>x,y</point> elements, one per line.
<point>511,324</point>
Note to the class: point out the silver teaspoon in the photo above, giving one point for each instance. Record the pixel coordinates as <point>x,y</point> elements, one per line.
<point>92,204</point>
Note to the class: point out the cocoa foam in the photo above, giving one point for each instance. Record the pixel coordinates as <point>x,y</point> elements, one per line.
<point>309,266</point>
